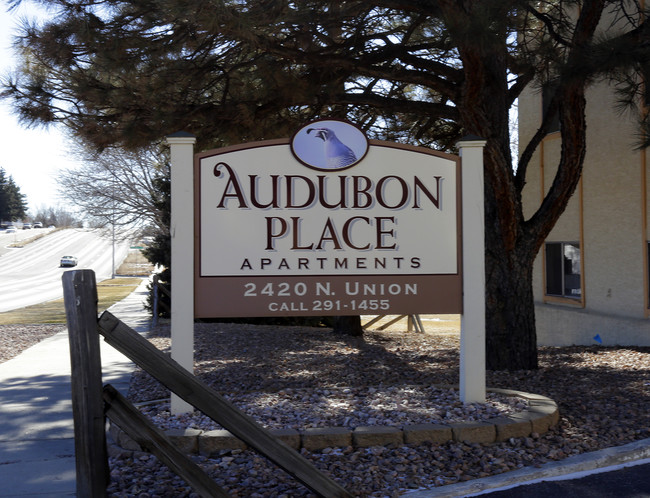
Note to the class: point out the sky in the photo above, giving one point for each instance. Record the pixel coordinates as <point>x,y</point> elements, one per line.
<point>31,156</point>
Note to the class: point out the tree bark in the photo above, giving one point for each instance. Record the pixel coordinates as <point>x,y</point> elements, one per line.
<point>511,337</point>
<point>349,325</point>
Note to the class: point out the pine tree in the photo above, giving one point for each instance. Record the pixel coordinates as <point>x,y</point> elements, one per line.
<point>130,72</point>
<point>4,204</point>
<point>13,204</point>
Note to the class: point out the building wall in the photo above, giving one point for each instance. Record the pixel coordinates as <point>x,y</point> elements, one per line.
<point>608,216</point>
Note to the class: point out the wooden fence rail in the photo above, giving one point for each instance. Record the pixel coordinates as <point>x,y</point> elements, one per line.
<point>149,437</point>
<point>80,285</point>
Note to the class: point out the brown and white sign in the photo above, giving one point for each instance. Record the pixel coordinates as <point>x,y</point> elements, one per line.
<point>327,223</point>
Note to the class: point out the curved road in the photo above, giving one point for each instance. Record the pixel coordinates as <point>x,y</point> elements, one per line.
<point>32,275</point>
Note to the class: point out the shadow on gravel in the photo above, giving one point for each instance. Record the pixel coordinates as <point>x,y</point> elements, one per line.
<point>603,392</point>
<point>271,358</point>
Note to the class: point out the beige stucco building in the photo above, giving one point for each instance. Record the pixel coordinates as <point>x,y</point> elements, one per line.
<point>591,278</point>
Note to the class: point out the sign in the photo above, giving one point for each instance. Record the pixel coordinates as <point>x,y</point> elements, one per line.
<point>327,223</point>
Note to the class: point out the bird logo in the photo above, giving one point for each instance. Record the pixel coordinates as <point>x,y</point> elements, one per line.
<point>337,154</point>
<point>329,145</point>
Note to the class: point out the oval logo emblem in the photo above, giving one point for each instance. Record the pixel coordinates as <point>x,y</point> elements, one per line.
<point>329,145</point>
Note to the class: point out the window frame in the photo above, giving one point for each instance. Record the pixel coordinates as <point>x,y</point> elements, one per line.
<point>575,300</point>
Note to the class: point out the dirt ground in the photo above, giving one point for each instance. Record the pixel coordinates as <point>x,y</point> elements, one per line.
<point>432,324</point>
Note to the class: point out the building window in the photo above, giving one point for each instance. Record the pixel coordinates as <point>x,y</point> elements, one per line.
<point>548,91</point>
<point>563,269</point>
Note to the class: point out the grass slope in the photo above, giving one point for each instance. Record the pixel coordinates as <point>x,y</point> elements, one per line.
<point>109,292</point>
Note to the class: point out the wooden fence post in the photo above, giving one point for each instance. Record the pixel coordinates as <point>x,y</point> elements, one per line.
<point>80,296</point>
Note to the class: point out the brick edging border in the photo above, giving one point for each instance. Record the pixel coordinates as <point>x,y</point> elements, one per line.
<point>542,413</point>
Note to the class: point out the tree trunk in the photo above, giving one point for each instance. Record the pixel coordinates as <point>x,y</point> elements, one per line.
<point>511,339</point>
<point>510,251</point>
<point>512,244</point>
<point>349,325</point>
<point>511,342</point>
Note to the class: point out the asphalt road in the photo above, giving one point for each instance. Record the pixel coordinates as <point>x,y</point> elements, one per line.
<point>626,482</point>
<point>19,235</point>
<point>32,275</point>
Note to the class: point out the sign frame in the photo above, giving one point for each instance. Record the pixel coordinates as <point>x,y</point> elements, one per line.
<point>472,332</point>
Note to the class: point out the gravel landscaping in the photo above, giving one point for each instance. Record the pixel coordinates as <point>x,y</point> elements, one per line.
<point>300,377</point>
<point>14,339</point>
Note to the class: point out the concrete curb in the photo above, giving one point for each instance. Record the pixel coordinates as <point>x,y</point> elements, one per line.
<point>541,414</point>
<point>601,459</point>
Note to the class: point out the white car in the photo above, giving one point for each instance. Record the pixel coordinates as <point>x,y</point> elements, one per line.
<point>68,261</point>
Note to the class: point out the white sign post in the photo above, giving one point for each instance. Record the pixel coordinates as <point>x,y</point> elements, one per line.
<point>472,321</point>
<point>182,239</point>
